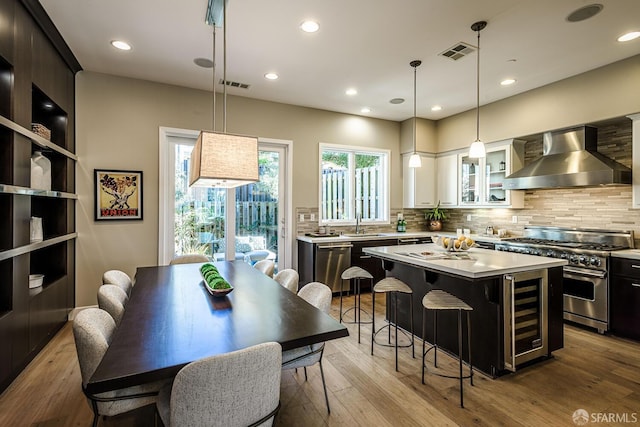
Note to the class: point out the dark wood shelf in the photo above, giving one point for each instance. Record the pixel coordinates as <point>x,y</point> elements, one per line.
<point>37,85</point>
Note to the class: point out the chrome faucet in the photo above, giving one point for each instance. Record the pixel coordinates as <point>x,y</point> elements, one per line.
<point>358,217</point>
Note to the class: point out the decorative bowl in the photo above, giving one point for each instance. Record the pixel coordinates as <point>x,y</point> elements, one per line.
<point>35,280</point>
<point>218,292</point>
<point>455,244</point>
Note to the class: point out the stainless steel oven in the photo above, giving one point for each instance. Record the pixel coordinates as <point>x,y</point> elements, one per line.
<point>585,296</point>
<point>586,281</point>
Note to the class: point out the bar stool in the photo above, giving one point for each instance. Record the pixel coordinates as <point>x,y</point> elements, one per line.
<point>392,286</point>
<point>356,274</point>
<point>439,300</point>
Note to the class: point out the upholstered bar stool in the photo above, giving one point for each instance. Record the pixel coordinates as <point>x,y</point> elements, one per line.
<point>439,300</point>
<point>393,287</point>
<point>355,274</point>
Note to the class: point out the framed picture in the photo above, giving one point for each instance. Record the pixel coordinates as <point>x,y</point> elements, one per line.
<point>118,194</point>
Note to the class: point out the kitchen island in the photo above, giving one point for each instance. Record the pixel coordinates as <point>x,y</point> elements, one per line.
<point>517,301</point>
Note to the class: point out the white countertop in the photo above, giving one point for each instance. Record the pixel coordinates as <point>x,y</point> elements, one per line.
<point>484,262</point>
<point>366,236</point>
<point>627,253</point>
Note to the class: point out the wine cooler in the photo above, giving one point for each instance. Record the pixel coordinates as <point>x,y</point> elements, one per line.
<point>525,317</point>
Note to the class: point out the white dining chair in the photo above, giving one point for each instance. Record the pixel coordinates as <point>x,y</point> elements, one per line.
<point>189,259</point>
<point>112,299</point>
<point>235,389</point>
<point>92,332</point>
<point>266,266</point>
<point>120,278</point>
<point>288,278</point>
<point>319,295</point>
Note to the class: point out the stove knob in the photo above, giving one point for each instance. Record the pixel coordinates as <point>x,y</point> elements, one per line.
<point>573,259</point>
<point>550,253</point>
<point>535,252</point>
<point>595,261</point>
<point>584,260</point>
<point>564,255</point>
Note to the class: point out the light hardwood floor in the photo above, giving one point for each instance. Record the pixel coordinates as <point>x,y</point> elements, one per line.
<point>600,374</point>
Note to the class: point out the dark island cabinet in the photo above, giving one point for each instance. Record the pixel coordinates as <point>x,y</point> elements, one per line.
<point>37,86</point>
<point>367,262</point>
<point>624,288</point>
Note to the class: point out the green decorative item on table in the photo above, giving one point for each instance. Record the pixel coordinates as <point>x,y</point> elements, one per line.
<point>215,283</point>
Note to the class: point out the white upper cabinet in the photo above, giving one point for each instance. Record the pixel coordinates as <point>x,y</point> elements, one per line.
<point>419,184</point>
<point>481,180</point>
<point>447,180</point>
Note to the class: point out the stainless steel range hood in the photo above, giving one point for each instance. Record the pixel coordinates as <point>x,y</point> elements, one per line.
<point>569,159</point>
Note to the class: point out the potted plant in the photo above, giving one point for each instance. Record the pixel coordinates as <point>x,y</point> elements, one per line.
<point>435,217</point>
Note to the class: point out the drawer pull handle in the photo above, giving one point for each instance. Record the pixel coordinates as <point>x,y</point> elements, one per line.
<point>636,285</point>
<point>635,266</point>
<point>365,256</point>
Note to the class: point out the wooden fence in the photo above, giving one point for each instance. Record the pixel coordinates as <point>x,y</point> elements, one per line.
<point>335,189</point>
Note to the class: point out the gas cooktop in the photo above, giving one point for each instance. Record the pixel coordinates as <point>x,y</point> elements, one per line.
<point>592,246</point>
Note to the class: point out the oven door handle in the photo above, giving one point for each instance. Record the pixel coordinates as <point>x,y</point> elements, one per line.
<point>588,273</point>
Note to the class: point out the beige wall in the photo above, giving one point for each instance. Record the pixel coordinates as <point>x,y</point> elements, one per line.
<point>117,127</point>
<point>118,120</point>
<point>600,94</point>
<point>426,136</point>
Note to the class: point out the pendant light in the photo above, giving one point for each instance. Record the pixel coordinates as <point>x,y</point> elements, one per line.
<point>220,159</point>
<point>477,149</point>
<point>414,160</point>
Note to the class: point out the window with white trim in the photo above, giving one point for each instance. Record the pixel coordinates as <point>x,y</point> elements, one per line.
<point>353,181</point>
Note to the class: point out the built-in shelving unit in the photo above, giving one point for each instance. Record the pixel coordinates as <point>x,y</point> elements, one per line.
<point>36,86</point>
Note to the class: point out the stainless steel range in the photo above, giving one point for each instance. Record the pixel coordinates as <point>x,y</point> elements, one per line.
<point>586,278</point>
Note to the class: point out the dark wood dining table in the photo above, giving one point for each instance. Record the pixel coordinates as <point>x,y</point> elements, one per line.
<point>171,320</point>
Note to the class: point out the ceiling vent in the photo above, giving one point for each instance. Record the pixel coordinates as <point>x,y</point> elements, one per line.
<point>234,84</point>
<point>458,50</point>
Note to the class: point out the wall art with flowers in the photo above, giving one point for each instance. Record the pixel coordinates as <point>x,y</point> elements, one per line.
<point>118,194</point>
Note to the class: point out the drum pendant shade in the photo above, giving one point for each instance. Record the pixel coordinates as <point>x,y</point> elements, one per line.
<point>224,160</point>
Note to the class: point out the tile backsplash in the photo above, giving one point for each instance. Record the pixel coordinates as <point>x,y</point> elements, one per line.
<point>606,207</point>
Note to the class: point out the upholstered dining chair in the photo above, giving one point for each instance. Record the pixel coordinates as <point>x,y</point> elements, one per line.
<point>288,278</point>
<point>236,389</point>
<point>120,278</point>
<point>319,295</point>
<point>92,332</point>
<point>189,259</point>
<point>112,299</point>
<point>266,266</point>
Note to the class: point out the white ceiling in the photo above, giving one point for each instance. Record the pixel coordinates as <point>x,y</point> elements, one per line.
<point>366,44</point>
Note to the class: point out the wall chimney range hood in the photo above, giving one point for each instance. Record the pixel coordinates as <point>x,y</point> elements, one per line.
<point>569,159</point>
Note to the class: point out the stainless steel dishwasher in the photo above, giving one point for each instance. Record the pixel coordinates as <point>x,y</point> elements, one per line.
<point>331,260</point>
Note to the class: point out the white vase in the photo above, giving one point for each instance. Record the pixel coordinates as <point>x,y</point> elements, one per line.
<point>36,229</point>
<point>40,172</point>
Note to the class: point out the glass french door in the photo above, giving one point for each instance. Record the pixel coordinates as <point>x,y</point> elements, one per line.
<point>244,223</point>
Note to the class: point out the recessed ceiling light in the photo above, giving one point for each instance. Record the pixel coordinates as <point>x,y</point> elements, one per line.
<point>396,101</point>
<point>436,108</point>
<point>309,26</point>
<point>365,110</point>
<point>351,92</point>
<point>203,62</point>
<point>119,44</point>
<point>629,36</point>
<point>507,82</point>
<point>271,76</point>
<point>585,12</point>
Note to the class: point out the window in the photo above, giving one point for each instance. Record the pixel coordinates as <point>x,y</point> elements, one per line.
<point>353,181</point>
